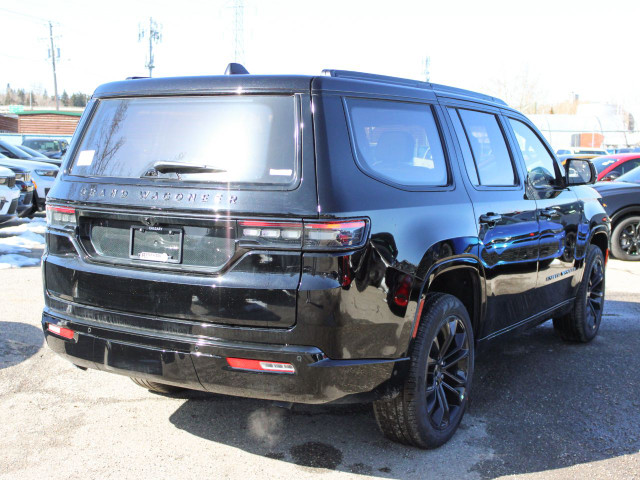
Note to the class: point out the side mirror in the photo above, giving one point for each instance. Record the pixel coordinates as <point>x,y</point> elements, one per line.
<point>579,171</point>
<point>611,177</point>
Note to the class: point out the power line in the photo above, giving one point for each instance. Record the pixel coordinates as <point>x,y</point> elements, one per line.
<point>32,17</point>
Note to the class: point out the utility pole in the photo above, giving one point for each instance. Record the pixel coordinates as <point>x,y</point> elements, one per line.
<point>53,64</point>
<point>238,31</point>
<point>154,37</point>
<point>426,72</point>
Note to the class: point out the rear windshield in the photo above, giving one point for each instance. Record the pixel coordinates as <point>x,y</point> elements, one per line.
<point>225,139</point>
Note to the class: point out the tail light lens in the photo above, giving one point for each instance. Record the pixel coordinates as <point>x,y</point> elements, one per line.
<point>308,235</point>
<point>61,217</point>
<point>286,234</point>
<point>332,235</point>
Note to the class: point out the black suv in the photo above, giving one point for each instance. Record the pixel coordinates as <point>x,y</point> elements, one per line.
<point>344,237</point>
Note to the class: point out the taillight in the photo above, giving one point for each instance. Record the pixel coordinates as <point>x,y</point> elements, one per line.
<point>310,235</point>
<point>61,217</point>
<point>287,234</point>
<point>331,235</point>
<point>60,331</point>
<point>260,365</point>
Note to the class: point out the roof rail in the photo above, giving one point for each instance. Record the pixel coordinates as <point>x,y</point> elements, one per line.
<point>372,77</point>
<point>136,78</point>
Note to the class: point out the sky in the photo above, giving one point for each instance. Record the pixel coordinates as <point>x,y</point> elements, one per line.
<point>585,47</point>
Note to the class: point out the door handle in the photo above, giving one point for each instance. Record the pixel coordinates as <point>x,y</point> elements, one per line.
<point>490,218</point>
<point>549,212</point>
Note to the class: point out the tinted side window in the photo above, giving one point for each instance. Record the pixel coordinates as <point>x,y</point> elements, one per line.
<point>489,148</point>
<point>627,166</point>
<point>398,141</point>
<point>541,167</point>
<point>464,145</point>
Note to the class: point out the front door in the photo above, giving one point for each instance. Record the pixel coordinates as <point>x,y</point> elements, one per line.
<point>559,215</point>
<point>506,218</point>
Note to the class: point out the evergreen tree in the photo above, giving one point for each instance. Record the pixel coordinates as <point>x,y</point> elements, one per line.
<point>65,99</point>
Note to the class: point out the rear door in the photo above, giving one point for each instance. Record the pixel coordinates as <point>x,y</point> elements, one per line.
<point>563,231</point>
<point>506,218</point>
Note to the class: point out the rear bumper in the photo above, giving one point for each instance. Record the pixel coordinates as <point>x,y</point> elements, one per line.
<point>200,363</point>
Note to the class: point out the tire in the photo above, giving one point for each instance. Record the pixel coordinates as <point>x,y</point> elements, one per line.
<point>416,415</point>
<point>155,386</point>
<point>625,239</point>
<point>582,323</point>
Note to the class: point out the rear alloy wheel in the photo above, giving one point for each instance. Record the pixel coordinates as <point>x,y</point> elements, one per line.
<point>155,386</point>
<point>434,397</point>
<point>583,322</point>
<point>625,239</point>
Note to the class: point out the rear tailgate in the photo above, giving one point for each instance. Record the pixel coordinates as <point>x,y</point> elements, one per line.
<point>170,244</point>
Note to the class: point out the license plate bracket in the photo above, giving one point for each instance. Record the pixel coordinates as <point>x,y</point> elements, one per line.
<point>156,244</point>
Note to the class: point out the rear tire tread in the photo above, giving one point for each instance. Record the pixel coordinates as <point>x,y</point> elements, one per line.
<point>155,386</point>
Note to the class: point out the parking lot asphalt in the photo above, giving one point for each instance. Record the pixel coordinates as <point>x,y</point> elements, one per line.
<point>541,408</point>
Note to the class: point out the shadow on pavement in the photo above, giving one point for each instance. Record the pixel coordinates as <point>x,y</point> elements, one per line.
<point>543,404</point>
<point>18,342</point>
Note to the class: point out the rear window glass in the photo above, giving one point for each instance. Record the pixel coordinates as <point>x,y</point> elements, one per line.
<point>398,141</point>
<point>226,139</point>
<point>44,145</point>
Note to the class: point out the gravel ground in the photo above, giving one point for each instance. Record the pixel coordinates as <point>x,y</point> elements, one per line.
<point>541,409</point>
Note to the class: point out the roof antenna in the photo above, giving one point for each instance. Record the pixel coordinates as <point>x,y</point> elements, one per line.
<point>235,69</point>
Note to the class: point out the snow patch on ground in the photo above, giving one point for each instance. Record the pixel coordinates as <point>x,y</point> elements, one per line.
<point>22,243</point>
<point>17,261</point>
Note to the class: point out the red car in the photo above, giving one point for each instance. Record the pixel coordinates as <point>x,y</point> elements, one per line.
<point>611,167</point>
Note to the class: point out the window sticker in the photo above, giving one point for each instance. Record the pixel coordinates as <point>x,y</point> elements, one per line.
<point>284,172</point>
<point>85,158</point>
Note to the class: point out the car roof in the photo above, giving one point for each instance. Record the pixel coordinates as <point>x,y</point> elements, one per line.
<point>331,80</point>
<point>622,156</point>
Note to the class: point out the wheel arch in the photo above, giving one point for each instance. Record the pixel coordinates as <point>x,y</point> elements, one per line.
<point>624,213</point>
<point>462,277</point>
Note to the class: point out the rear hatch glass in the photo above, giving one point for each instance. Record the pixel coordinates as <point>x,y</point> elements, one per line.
<point>237,140</point>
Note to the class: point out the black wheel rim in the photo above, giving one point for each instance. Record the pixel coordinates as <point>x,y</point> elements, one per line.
<point>629,240</point>
<point>447,372</point>
<point>595,294</point>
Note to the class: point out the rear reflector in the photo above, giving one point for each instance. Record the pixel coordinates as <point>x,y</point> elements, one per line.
<point>60,331</point>
<point>260,365</point>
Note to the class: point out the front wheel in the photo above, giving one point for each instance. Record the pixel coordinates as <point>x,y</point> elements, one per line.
<point>582,323</point>
<point>625,239</point>
<point>435,394</point>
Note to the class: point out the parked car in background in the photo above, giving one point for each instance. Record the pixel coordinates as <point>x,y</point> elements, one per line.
<point>621,201</point>
<point>12,151</point>
<point>51,147</point>
<point>211,242</point>
<point>43,176</point>
<point>9,195</point>
<point>26,204</point>
<point>610,167</point>
<point>39,157</point>
<point>630,177</point>
<point>581,150</point>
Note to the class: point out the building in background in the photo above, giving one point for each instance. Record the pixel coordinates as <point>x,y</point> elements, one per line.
<point>593,125</point>
<point>40,122</point>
